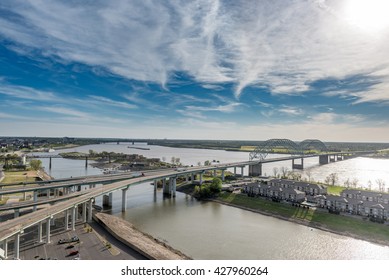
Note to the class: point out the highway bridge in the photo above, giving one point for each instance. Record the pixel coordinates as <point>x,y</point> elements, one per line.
<point>75,201</point>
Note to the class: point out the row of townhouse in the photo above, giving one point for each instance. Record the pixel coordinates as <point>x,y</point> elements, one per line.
<point>308,188</point>
<point>275,192</point>
<point>366,195</point>
<point>364,203</point>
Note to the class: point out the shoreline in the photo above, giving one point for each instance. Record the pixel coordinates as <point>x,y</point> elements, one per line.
<point>143,243</point>
<point>306,223</point>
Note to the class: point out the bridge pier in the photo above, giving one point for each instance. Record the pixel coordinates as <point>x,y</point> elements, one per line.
<point>201,178</point>
<point>339,157</point>
<point>332,158</point>
<point>35,200</point>
<point>296,165</point>
<point>323,159</point>
<point>255,170</point>
<point>50,163</point>
<point>86,162</point>
<point>5,248</point>
<point>223,174</point>
<point>17,213</point>
<point>155,185</point>
<point>66,219</point>
<point>40,225</point>
<point>74,218</point>
<point>107,200</point>
<point>17,245</point>
<point>242,171</point>
<point>164,186</point>
<point>48,229</point>
<point>235,171</point>
<point>124,198</point>
<point>214,173</point>
<point>84,212</point>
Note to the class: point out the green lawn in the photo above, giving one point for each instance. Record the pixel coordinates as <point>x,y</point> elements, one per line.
<point>338,223</point>
<point>15,177</point>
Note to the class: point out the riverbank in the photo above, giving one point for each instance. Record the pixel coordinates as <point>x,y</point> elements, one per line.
<point>350,226</point>
<point>143,243</point>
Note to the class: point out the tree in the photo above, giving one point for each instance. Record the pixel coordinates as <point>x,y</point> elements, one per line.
<point>216,186</point>
<point>275,171</point>
<point>347,183</point>
<point>199,163</point>
<point>381,185</point>
<point>354,183</point>
<point>331,179</point>
<point>163,158</point>
<point>35,164</point>
<point>207,163</point>
<point>284,171</point>
<point>173,160</point>
<point>177,161</point>
<point>308,172</point>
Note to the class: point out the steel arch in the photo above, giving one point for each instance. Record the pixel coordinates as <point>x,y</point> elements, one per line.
<point>313,143</point>
<point>268,146</point>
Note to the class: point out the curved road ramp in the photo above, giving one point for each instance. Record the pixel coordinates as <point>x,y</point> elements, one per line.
<point>143,243</point>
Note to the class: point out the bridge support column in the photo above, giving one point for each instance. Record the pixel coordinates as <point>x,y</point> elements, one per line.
<point>66,219</point>
<point>90,209</point>
<point>50,163</point>
<point>332,158</point>
<point>339,157</point>
<point>40,225</point>
<point>48,193</point>
<point>17,246</point>
<point>124,198</point>
<point>1,196</point>
<point>296,165</point>
<point>174,187</point>
<point>5,248</point>
<point>74,218</point>
<point>86,162</point>
<point>201,178</point>
<point>223,175</point>
<point>35,194</point>
<point>187,178</point>
<point>17,213</point>
<point>192,177</point>
<point>24,196</point>
<point>48,221</point>
<point>242,171</point>
<point>107,200</point>
<point>155,185</point>
<point>323,159</point>
<point>235,171</point>
<point>164,186</point>
<point>84,212</point>
<point>255,170</point>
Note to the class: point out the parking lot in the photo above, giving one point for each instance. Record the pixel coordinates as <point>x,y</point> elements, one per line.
<point>94,244</point>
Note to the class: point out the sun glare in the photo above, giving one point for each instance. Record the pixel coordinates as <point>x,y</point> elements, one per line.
<point>369,15</point>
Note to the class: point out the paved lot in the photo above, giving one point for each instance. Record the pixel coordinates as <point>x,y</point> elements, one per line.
<point>92,245</point>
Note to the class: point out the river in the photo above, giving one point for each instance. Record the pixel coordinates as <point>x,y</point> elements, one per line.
<point>208,230</point>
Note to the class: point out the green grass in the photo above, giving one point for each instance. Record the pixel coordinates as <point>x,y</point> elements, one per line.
<point>15,177</point>
<point>338,223</point>
<point>336,190</point>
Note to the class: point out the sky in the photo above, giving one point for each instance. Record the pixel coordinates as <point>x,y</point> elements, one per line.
<point>239,70</point>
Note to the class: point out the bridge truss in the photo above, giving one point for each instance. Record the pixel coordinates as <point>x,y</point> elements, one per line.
<point>286,146</point>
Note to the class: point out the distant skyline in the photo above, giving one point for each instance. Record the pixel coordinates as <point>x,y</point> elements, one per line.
<point>247,70</point>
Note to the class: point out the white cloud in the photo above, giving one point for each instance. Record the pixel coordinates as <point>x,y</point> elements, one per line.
<point>107,101</point>
<point>283,45</point>
<point>289,110</point>
<point>22,92</point>
<point>227,108</point>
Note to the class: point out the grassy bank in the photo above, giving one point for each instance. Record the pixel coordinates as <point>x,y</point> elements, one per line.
<point>351,226</point>
<point>15,177</point>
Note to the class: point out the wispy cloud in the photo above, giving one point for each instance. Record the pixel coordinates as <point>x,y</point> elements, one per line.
<point>289,110</point>
<point>29,93</point>
<point>228,108</point>
<point>267,44</point>
<point>107,101</point>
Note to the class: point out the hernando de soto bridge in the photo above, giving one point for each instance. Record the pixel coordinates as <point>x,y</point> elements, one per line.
<point>72,199</point>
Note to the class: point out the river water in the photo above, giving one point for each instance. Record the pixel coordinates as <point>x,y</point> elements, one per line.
<point>207,230</point>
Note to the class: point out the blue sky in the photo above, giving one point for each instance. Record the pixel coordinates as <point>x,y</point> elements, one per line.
<point>195,69</point>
